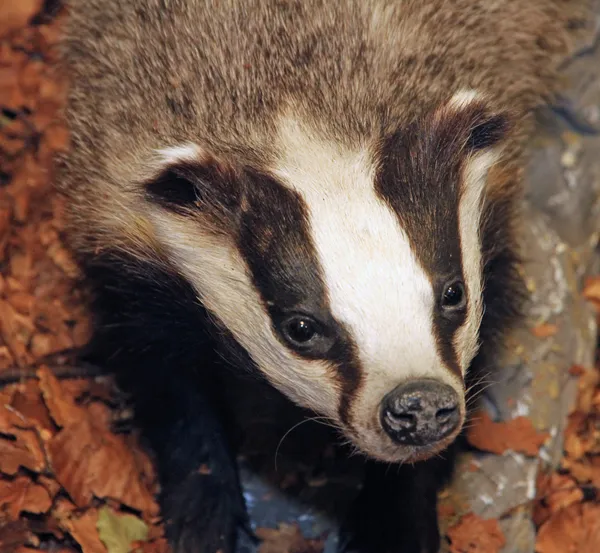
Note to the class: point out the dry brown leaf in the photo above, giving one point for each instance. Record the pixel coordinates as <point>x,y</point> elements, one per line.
<point>591,290</point>
<point>13,535</point>
<point>544,330</point>
<point>83,530</point>
<point>556,491</point>
<point>88,460</point>
<point>577,370</point>
<point>575,529</point>
<point>16,330</point>
<point>104,467</point>
<point>21,494</point>
<point>517,435</point>
<point>28,401</point>
<point>25,447</point>
<point>287,539</point>
<point>583,472</point>
<point>159,545</point>
<point>14,15</point>
<point>63,408</point>
<point>473,534</point>
<point>587,384</point>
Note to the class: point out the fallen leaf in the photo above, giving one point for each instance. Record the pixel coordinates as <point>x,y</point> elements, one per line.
<point>555,492</point>
<point>583,472</point>
<point>118,531</point>
<point>25,447</point>
<point>576,370</point>
<point>517,435</point>
<point>62,408</point>
<point>473,534</point>
<point>27,400</point>
<point>575,529</point>
<point>16,14</point>
<point>104,468</point>
<point>21,494</point>
<point>13,535</point>
<point>287,539</point>
<point>84,531</point>
<point>544,330</point>
<point>159,545</point>
<point>591,290</point>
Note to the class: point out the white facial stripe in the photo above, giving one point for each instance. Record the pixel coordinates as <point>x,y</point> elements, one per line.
<point>474,178</point>
<point>469,219</point>
<point>375,284</point>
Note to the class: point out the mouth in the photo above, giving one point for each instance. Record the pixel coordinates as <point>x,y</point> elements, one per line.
<point>423,453</point>
<point>381,448</point>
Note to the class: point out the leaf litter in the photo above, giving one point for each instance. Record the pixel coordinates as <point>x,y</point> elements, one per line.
<point>68,482</point>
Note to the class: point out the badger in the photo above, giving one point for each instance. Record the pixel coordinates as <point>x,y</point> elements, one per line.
<point>323,196</point>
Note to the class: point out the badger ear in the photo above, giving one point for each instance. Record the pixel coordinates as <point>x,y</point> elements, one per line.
<point>195,184</point>
<point>485,128</point>
<point>487,132</point>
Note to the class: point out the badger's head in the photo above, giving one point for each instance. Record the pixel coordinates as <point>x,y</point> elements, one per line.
<point>352,276</point>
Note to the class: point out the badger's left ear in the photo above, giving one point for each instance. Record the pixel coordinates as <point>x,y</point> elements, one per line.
<point>482,128</point>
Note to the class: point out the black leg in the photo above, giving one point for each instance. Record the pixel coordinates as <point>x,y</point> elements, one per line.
<point>396,511</point>
<point>201,498</point>
<point>151,332</point>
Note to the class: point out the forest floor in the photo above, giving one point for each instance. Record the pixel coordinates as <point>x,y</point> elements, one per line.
<point>69,481</point>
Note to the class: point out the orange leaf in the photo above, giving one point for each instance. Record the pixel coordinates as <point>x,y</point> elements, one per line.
<point>517,434</point>
<point>575,529</point>
<point>22,494</point>
<point>287,539</point>
<point>591,290</point>
<point>25,449</point>
<point>84,531</point>
<point>544,330</point>
<point>14,15</point>
<point>63,408</point>
<point>473,534</point>
<point>104,467</point>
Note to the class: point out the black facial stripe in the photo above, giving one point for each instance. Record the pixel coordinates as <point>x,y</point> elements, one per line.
<point>420,178</point>
<point>271,225</point>
<point>276,243</point>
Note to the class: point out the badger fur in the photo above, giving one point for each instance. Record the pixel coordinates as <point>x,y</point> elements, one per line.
<point>320,194</point>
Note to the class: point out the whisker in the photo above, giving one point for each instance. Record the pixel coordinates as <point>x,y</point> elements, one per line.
<point>320,419</point>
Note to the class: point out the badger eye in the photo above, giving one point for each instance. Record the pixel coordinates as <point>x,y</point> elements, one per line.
<point>454,296</point>
<point>300,330</point>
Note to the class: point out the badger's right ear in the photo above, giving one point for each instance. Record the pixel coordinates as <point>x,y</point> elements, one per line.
<point>196,183</point>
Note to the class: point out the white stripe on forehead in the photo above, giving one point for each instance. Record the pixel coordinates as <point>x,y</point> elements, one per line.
<point>375,284</point>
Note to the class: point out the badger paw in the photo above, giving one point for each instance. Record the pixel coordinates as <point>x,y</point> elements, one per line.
<point>202,517</point>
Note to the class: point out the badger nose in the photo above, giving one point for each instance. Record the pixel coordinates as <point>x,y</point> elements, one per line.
<point>420,412</point>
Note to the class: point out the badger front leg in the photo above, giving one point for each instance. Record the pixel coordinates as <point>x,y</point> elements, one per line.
<point>201,498</point>
<point>151,332</point>
<point>396,510</point>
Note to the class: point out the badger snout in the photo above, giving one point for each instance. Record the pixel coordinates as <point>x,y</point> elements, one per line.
<point>420,412</point>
